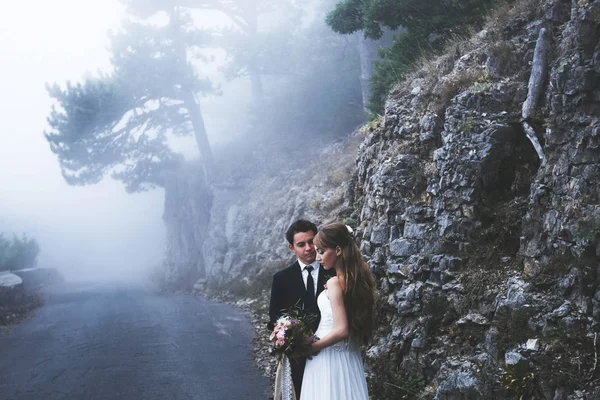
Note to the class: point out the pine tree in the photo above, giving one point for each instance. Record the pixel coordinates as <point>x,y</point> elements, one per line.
<point>120,122</point>
<point>245,59</point>
<point>427,25</point>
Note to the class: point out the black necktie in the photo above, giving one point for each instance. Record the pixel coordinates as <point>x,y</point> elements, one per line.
<point>310,288</point>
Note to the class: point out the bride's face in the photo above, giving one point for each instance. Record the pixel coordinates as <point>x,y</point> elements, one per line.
<point>327,257</point>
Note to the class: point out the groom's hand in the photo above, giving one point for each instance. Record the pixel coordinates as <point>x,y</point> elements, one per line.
<point>311,353</point>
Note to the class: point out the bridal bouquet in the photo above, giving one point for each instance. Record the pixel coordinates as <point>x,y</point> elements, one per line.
<point>292,335</point>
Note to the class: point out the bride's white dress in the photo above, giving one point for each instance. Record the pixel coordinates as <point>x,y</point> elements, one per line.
<point>337,372</point>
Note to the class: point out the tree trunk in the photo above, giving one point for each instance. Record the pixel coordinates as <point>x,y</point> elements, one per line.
<point>188,204</point>
<point>199,133</point>
<point>535,90</point>
<point>254,70</point>
<point>256,86</point>
<point>367,49</point>
<point>538,74</point>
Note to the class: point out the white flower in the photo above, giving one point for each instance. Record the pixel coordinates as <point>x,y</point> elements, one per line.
<point>350,230</point>
<point>284,322</point>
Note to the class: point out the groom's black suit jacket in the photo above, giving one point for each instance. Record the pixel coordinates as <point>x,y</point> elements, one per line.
<point>288,288</point>
<point>287,291</point>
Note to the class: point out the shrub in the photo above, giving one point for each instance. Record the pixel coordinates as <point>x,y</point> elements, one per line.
<point>19,253</point>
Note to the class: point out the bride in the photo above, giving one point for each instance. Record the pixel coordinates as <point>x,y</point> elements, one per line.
<point>346,306</point>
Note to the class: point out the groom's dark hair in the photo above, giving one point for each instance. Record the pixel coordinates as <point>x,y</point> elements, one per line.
<point>300,225</point>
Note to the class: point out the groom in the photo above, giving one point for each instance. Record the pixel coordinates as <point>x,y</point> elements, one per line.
<point>301,282</point>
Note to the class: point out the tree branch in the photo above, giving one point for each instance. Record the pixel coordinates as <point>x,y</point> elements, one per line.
<point>535,89</point>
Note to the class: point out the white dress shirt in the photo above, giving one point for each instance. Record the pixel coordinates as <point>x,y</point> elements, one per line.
<point>314,273</point>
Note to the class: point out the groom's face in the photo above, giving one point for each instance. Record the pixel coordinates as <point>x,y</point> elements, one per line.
<point>303,247</point>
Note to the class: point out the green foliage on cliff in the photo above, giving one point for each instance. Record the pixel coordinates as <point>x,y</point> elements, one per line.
<point>18,253</point>
<point>428,24</point>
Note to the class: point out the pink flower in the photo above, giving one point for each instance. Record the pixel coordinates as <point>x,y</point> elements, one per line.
<point>291,335</point>
<point>275,330</point>
<point>281,334</point>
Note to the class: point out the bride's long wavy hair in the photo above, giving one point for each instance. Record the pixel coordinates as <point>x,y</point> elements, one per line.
<point>358,284</point>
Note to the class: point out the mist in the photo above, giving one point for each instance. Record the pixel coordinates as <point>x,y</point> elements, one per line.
<point>91,231</point>
<point>98,229</point>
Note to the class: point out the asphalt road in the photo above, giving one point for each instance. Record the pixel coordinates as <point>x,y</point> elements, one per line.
<point>118,341</point>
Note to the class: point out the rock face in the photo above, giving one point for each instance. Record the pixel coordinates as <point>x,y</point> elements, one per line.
<point>249,219</point>
<point>487,261</point>
<point>479,249</point>
<point>234,230</point>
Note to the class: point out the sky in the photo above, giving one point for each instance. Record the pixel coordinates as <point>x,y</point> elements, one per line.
<point>83,231</point>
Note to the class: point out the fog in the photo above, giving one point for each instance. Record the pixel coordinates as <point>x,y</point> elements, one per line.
<point>311,90</point>
<point>91,231</point>
<point>94,231</point>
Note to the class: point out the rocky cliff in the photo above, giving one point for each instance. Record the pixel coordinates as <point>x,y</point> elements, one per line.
<point>486,250</point>
<point>486,254</point>
<point>252,212</point>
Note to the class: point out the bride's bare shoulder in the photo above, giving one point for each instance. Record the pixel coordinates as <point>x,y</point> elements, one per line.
<point>334,283</point>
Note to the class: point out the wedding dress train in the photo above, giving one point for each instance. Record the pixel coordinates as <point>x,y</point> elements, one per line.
<point>337,372</point>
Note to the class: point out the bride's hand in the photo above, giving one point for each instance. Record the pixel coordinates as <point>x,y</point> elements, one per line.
<point>311,352</point>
